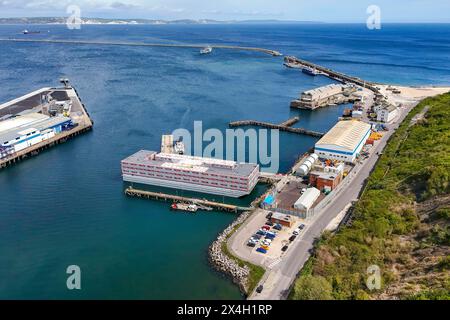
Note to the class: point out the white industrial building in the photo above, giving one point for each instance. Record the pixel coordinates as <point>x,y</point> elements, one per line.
<point>344,141</point>
<point>23,131</point>
<point>306,201</point>
<point>387,114</point>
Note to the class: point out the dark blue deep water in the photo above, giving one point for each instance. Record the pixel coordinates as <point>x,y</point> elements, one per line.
<point>66,206</point>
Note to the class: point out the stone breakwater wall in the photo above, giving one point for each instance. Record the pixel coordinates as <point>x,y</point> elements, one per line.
<point>225,264</point>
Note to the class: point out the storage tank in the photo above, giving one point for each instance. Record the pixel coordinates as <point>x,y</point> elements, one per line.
<point>308,164</point>
<point>302,170</point>
<point>314,156</point>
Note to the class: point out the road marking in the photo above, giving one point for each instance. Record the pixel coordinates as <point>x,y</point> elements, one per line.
<point>273,263</point>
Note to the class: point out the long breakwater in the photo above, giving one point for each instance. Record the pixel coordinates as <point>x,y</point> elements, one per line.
<point>144,44</point>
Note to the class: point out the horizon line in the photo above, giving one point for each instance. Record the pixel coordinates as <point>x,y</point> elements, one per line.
<point>227,20</point>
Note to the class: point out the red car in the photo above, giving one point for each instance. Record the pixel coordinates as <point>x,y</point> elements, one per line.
<point>267,228</point>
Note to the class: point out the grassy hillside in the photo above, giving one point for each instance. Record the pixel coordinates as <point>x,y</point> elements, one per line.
<point>400,224</point>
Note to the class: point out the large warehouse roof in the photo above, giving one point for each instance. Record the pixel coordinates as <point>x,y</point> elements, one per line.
<point>21,121</point>
<point>346,134</point>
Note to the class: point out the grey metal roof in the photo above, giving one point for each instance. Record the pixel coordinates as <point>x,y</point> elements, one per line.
<point>48,123</point>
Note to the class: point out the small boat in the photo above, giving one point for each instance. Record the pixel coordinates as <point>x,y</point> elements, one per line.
<point>30,32</point>
<point>206,50</point>
<point>184,207</point>
<point>310,71</point>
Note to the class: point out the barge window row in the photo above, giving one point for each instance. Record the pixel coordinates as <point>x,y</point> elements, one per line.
<point>222,186</point>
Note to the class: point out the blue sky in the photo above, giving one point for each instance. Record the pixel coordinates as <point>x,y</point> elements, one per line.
<point>312,10</point>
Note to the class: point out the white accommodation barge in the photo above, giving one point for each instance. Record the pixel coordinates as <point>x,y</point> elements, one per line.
<point>207,175</point>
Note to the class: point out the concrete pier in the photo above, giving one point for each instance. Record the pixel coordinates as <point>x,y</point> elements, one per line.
<point>81,118</point>
<point>132,192</point>
<point>294,62</point>
<point>284,126</point>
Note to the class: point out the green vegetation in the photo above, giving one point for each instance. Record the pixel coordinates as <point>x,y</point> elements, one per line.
<point>256,272</point>
<point>413,169</point>
<point>312,288</point>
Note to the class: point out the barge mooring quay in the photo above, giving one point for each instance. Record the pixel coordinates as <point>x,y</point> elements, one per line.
<point>132,192</point>
<point>284,126</point>
<point>143,44</point>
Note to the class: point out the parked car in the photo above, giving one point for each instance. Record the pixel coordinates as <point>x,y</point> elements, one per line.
<point>260,288</point>
<point>278,227</point>
<point>256,236</point>
<point>266,242</point>
<point>266,228</point>
<point>251,244</point>
<point>261,232</point>
<point>254,240</point>
<point>296,232</point>
<point>261,250</point>
<point>284,248</point>
<point>269,223</point>
<point>292,238</point>
<point>301,227</point>
<point>269,215</point>
<point>265,247</point>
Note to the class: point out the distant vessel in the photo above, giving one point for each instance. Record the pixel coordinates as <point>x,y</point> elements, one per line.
<point>30,32</point>
<point>206,50</point>
<point>179,147</point>
<point>184,207</point>
<point>310,71</point>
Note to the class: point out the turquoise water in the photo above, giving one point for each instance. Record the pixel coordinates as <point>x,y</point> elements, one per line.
<point>67,206</point>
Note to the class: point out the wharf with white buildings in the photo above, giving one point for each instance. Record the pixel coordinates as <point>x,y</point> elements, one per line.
<point>332,94</point>
<point>39,120</point>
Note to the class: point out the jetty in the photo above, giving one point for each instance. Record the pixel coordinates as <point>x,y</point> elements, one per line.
<point>33,103</point>
<point>294,62</point>
<point>132,192</point>
<point>144,44</point>
<point>284,126</point>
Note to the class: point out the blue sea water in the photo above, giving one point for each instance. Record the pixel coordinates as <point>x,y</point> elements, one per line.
<point>66,206</point>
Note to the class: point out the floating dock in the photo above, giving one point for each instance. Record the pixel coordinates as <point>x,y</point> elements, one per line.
<point>284,126</point>
<point>33,104</point>
<point>132,192</point>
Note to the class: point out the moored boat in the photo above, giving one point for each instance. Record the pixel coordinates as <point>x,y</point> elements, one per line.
<point>310,71</point>
<point>184,207</point>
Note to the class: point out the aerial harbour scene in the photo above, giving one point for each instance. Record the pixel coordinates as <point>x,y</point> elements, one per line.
<point>149,153</point>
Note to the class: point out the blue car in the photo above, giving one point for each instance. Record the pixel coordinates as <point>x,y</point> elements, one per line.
<point>261,232</point>
<point>261,250</point>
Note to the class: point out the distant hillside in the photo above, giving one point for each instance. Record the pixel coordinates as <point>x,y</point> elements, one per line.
<point>62,20</point>
<point>401,223</point>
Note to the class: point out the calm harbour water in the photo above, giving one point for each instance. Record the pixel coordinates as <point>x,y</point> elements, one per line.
<point>67,206</point>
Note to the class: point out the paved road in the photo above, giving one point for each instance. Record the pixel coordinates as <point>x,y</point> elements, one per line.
<point>278,281</point>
